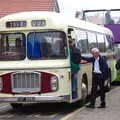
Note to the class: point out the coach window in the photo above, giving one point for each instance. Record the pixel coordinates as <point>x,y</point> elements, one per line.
<point>82,41</point>
<point>12,46</point>
<point>46,45</point>
<point>101,42</point>
<point>92,40</point>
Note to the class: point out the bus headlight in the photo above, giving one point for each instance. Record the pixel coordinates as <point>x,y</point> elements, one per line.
<point>54,83</point>
<point>1,83</point>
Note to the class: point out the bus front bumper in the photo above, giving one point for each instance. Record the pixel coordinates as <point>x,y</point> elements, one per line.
<point>39,99</point>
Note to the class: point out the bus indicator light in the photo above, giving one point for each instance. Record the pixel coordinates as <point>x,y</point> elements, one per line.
<point>54,83</point>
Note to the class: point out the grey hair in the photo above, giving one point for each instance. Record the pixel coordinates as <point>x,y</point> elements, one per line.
<point>95,50</point>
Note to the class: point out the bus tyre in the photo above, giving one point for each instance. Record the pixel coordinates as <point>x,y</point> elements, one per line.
<point>16,105</point>
<point>84,92</point>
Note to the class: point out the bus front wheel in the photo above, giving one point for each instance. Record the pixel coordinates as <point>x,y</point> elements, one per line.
<point>84,91</point>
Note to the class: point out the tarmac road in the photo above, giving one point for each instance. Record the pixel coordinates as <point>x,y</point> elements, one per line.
<point>111,112</point>
<point>65,111</point>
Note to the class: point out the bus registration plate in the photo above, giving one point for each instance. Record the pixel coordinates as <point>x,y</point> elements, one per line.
<point>25,99</point>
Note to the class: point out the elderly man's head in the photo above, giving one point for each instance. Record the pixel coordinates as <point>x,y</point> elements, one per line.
<point>95,52</point>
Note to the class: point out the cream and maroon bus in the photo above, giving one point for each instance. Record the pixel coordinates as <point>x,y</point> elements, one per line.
<point>35,58</point>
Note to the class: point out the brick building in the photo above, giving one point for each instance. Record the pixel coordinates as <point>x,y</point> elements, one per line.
<point>13,6</point>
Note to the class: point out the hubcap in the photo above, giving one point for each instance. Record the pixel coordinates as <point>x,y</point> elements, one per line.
<point>84,91</point>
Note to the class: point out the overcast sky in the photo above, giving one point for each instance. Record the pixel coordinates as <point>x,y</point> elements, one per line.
<point>69,7</point>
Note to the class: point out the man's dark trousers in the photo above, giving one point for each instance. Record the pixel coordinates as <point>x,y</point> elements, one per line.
<point>97,80</point>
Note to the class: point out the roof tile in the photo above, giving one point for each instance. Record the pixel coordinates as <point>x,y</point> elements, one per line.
<point>13,6</point>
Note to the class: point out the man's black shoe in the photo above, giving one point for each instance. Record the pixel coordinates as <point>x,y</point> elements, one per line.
<point>102,106</point>
<point>90,106</point>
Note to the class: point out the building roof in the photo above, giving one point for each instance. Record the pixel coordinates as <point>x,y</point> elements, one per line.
<point>13,6</point>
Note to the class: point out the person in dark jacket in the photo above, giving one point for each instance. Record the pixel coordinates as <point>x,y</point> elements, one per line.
<point>75,57</point>
<point>118,64</point>
<point>99,75</point>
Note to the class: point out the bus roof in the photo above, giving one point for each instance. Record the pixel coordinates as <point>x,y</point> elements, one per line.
<point>56,18</point>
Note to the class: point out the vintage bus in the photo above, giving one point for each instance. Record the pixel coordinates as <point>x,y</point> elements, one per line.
<point>109,18</point>
<point>35,58</point>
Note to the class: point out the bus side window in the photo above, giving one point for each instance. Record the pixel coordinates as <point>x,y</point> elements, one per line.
<point>92,40</point>
<point>101,42</point>
<point>82,41</point>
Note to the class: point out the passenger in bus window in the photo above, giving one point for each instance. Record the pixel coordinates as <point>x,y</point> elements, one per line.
<point>99,75</point>
<point>75,57</point>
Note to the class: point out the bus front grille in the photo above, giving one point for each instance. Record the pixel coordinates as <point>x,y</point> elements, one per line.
<point>26,82</point>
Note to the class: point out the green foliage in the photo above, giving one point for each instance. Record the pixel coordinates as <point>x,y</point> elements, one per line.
<point>118,76</point>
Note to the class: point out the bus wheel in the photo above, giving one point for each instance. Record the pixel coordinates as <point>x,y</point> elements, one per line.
<point>84,92</point>
<point>16,105</point>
